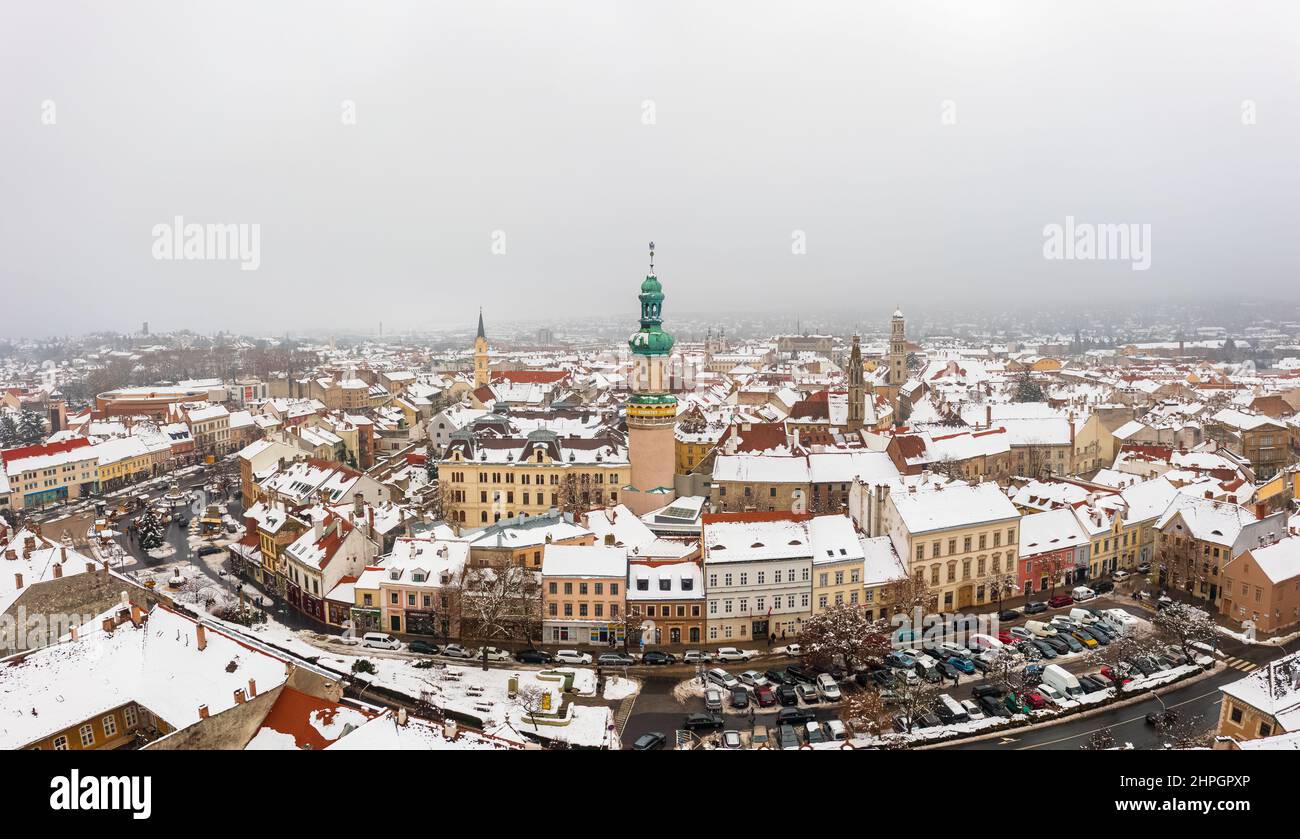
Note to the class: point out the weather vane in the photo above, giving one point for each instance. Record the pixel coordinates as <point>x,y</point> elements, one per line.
<point>652,257</point>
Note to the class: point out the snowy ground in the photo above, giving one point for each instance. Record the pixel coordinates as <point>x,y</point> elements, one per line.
<point>618,688</point>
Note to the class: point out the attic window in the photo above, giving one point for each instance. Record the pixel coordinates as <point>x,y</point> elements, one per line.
<point>758,545</point>
<point>717,547</point>
<point>795,542</point>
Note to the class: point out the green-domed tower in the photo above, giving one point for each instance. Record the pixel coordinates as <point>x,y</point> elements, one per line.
<point>652,409</point>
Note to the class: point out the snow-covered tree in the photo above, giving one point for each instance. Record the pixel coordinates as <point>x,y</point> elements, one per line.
<point>914,697</point>
<point>1028,390</point>
<point>149,530</point>
<point>843,633</point>
<point>1185,625</point>
<point>500,603</point>
<point>31,428</point>
<point>8,432</point>
<point>1007,670</point>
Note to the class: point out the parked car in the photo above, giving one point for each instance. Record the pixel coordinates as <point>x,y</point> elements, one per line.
<point>836,731</point>
<point>695,657</point>
<point>729,654</point>
<point>1082,593</point>
<point>972,709</point>
<point>1045,650</point>
<point>531,656</point>
<point>1033,607</point>
<point>1144,568</point>
<point>1103,586</point>
<point>1060,601</point>
<point>423,647</point>
<point>572,657</point>
<point>712,699</point>
<point>900,659</point>
<point>1006,637</point>
<point>779,677</point>
<point>1091,684</point>
<point>739,697</point>
<point>721,677</point>
<point>828,688</point>
<point>493,654</point>
<point>1083,638</point>
<point>786,737</point>
<point>758,738</point>
<point>207,550</point>
<point>1051,694</point>
<point>752,678</point>
<point>615,660</point>
<point>731,740</point>
<point>658,658</point>
<point>800,673</point>
<point>380,641</point>
<point>964,665</point>
<point>808,693</point>
<point>647,742</point>
<point>812,732</point>
<point>787,695</point>
<point>1008,615</point>
<point>1021,632</point>
<point>456,651</point>
<point>1058,645</point>
<point>1120,576</point>
<point>793,716</point>
<point>766,696</point>
<point>703,722</point>
<point>992,706</point>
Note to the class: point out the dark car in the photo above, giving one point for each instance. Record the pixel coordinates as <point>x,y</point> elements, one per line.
<point>1057,643</point>
<point>1059,601</point>
<point>615,660</point>
<point>1044,649</point>
<point>979,691</point>
<point>1102,586</point>
<point>1071,642</point>
<point>948,671</point>
<point>739,697</point>
<point>532,657</point>
<point>787,737</point>
<point>703,722</point>
<point>1097,635</point>
<point>1033,607</point>
<point>927,719</point>
<point>655,657</point>
<point>787,695</point>
<point>981,664</point>
<point>1008,615</point>
<point>423,647</point>
<point>992,706</point>
<point>793,716</point>
<point>884,678</point>
<point>208,549</point>
<point>779,677</point>
<point>837,672</point>
<point>800,673</point>
<point>646,742</point>
<point>1091,685</point>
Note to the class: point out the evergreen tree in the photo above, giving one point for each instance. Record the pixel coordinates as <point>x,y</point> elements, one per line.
<point>31,428</point>
<point>1028,390</point>
<point>8,431</point>
<point>149,529</point>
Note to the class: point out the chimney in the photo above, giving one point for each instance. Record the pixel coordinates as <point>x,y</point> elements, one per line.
<point>203,712</point>
<point>202,635</point>
<point>358,505</point>
<point>72,632</point>
<point>609,539</point>
<point>18,580</point>
<point>137,615</point>
<point>90,567</point>
<point>107,625</point>
<point>318,527</point>
<point>239,696</point>
<point>58,570</point>
<point>63,554</point>
<point>1260,510</point>
<point>988,416</point>
<point>252,688</point>
<point>401,716</point>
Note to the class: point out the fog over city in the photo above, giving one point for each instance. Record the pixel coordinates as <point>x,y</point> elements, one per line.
<point>411,162</point>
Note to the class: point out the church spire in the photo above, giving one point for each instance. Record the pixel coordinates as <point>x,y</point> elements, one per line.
<point>481,333</point>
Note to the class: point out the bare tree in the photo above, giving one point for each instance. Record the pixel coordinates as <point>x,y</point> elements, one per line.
<point>1185,626</point>
<point>843,633</point>
<point>500,603</point>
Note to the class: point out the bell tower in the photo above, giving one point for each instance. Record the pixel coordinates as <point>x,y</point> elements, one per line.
<point>480,354</point>
<point>652,408</point>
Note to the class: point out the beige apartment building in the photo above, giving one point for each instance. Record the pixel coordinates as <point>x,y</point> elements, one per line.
<point>960,538</point>
<point>1262,585</point>
<point>584,592</point>
<point>489,479</point>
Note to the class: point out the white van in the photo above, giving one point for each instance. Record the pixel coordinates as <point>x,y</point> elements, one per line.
<point>1063,680</point>
<point>380,640</point>
<point>954,708</point>
<point>1082,593</point>
<point>827,687</point>
<point>1082,616</point>
<point>1040,629</point>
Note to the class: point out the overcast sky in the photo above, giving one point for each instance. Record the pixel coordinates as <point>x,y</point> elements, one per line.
<point>582,130</point>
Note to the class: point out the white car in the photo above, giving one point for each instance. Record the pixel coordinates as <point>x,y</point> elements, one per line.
<point>836,731</point>
<point>731,739</point>
<point>572,657</point>
<point>827,688</point>
<point>721,677</point>
<point>1051,694</point>
<point>380,641</point>
<point>491,654</point>
<point>923,660</point>
<point>951,650</point>
<point>456,651</point>
<point>1119,576</point>
<point>972,710</point>
<point>732,654</point>
<point>753,679</point>
<point>794,650</point>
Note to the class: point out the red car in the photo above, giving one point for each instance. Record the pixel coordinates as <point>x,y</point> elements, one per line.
<point>1006,637</point>
<point>1112,674</point>
<point>1060,600</point>
<point>766,696</point>
<point>1035,699</point>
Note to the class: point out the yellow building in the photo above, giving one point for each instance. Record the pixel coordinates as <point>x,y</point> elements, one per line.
<point>491,478</point>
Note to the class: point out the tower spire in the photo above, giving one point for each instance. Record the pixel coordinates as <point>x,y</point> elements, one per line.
<point>652,259</point>
<point>481,333</point>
